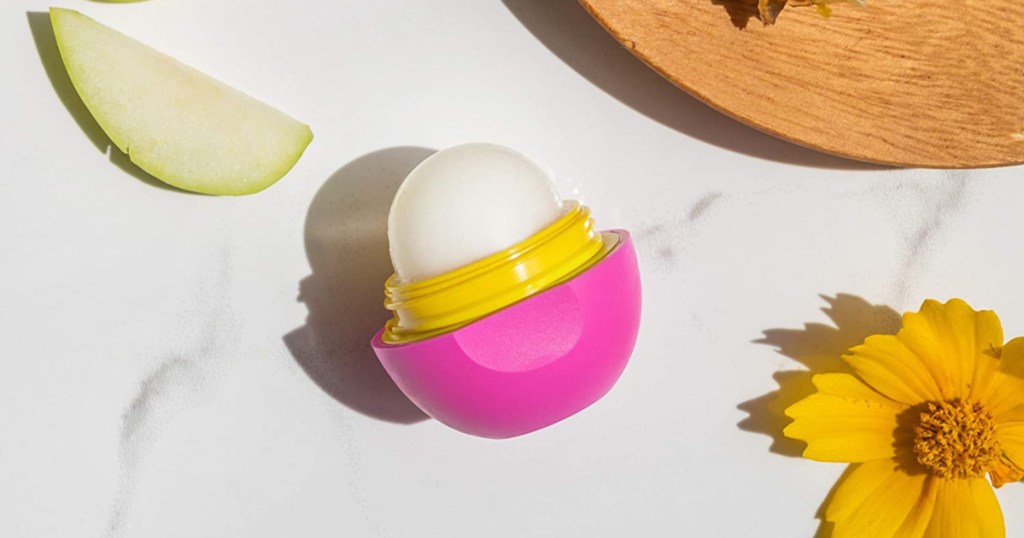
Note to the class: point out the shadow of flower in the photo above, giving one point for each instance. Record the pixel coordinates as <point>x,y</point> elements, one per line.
<point>740,11</point>
<point>818,348</point>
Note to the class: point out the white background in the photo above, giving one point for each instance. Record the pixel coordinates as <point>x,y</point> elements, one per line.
<point>174,365</point>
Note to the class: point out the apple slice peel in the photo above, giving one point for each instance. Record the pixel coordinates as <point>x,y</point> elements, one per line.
<point>180,125</point>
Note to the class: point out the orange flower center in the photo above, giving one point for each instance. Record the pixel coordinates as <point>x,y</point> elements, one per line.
<point>956,439</point>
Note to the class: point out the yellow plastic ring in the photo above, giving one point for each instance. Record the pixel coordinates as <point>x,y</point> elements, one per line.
<point>446,302</point>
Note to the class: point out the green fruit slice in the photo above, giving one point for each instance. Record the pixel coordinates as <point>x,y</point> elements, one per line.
<point>180,125</point>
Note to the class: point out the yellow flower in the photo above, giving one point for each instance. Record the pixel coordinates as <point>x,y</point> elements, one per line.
<point>923,416</point>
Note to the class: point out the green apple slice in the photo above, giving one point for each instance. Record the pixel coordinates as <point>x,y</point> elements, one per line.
<point>176,123</point>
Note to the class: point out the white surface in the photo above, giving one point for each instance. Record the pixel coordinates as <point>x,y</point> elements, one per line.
<point>160,379</point>
<point>465,203</point>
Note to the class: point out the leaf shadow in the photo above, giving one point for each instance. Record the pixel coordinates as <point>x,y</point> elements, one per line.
<point>49,56</point>
<point>740,11</point>
<point>816,348</point>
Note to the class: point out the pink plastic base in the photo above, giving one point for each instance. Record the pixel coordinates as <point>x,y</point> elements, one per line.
<point>532,364</point>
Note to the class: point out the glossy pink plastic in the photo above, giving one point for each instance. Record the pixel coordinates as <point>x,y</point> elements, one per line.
<point>532,364</point>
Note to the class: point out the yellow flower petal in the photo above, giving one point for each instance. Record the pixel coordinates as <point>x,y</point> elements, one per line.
<point>966,509</point>
<point>1005,472</point>
<point>921,514</point>
<point>949,338</point>
<point>878,499</point>
<point>1005,392</point>
<point>986,374</point>
<point>935,356</point>
<point>845,421</point>
<point>1011,439</point>
<point>1005,401</point>
<point>1013,357</point>
<point>885,364</point>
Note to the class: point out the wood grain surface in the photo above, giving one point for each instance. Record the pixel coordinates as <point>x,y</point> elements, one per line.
<point>926,83</point>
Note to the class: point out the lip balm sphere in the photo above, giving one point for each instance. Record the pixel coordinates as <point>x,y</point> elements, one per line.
<point>465,203</point>
<point>511,309</point>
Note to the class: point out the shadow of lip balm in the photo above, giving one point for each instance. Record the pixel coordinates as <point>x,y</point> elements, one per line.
<point>531,364</point>
<point>347,247</point>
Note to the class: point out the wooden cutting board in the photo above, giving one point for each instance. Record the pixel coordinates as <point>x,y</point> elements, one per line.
<point>932,83</point>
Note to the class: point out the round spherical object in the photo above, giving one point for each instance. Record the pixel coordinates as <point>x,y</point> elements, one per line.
<point>463,204</point>
<point>532,364</point>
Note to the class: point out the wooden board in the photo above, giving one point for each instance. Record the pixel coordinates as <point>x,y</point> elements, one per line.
<point>929,83</point>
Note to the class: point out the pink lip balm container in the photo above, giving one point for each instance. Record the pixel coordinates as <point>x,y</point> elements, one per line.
<point>523,337</point>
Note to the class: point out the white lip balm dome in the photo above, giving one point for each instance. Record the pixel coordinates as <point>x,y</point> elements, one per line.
<point>465,203</point>
<point>538,330</point>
